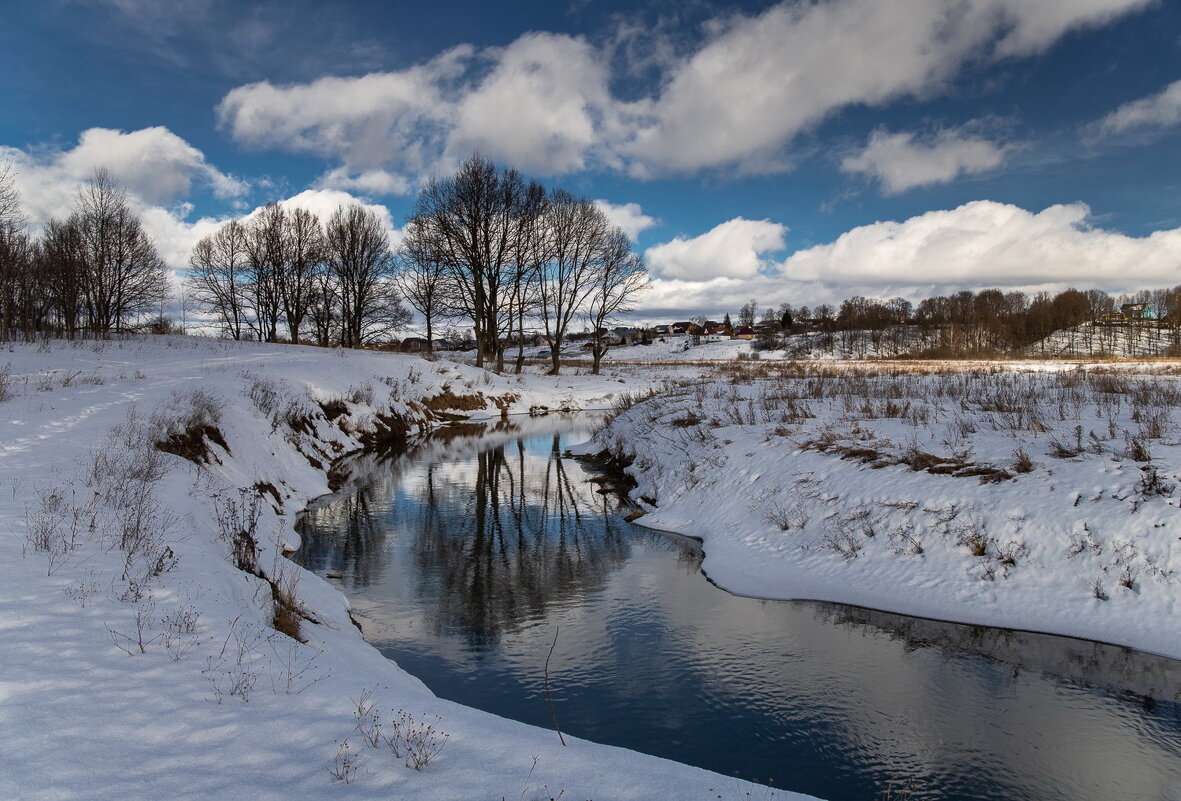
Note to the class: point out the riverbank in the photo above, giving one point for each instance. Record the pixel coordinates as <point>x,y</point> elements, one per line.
<point>1042,499</point>
<point>140,588</point>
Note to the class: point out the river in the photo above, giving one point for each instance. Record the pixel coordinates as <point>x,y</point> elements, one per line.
<point>467,558</point>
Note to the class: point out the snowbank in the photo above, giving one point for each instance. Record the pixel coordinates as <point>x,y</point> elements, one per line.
<point>996,495</point>
<point>140,660</point>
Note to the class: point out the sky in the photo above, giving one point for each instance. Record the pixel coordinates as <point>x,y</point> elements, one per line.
<point>800,151</point>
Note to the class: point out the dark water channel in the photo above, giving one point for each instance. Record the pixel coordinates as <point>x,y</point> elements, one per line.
<point>464,556</point>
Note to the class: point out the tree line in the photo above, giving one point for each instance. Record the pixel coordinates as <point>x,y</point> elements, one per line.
<point>485,244</point>
<point>95,270</point>
<point>964,323</point>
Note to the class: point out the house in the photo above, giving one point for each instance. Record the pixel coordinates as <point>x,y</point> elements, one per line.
<point>715,332</point>
<point>743,332</point>
<point>626,335</point>
<point>415,345</point>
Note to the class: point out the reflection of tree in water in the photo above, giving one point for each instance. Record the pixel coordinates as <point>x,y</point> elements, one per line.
<point>499,550</point>
<point>498,536</point>
<point>344,537</point>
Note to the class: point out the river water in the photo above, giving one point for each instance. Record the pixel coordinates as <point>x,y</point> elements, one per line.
<point>465,558</point>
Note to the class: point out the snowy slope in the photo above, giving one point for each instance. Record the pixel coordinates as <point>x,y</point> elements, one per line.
<point>1043,499</point>
<point>140,662</point>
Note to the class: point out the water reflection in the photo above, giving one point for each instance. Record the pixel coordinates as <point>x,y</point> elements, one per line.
<point>464,556</point>
<point>497,534</point>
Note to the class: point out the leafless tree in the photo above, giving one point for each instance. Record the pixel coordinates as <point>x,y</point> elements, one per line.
<point>617,285</point>
<point>531,250</point>
<point>19,287</point>
<point>219,269</point>
<point>359,257</point>
<point>577,230</point>
<point>324,312</point>
<point>10,205</point>
<point>124,277</point>
<point>305,256</point>
<point>23,299</point>
<point>472,214</point>
<point>267,248</point>
<point>62,269</point>
<point>423,279</point>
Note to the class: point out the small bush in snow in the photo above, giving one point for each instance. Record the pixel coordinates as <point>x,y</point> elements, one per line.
<point>1097,590</point>
<point>1021,461</point>
<point>415,741</point>
<point>237,522</point>
<point>344,765</point>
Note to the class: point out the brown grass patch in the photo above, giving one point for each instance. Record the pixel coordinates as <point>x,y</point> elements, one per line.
<point>193,444</point>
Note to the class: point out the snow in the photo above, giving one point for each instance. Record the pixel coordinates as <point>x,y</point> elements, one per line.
<point>812,482</point>
<point>140,662</point>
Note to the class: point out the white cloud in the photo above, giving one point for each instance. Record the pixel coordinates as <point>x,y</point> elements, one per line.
<point>978,245</point>
<point>1160,110</point>
<point>900,162</point>
<point>763,79</point>
<point>732,249</point>
<point>369,182</point>
<point>538,109</point>
<point>629,217</point>
<point>540,103</point>
<point>155,165</point>
<point>984,243</point>
<point>543,102</point>
<point>387,119</point>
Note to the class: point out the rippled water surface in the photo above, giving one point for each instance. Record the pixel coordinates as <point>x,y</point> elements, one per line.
<point>465,557</point>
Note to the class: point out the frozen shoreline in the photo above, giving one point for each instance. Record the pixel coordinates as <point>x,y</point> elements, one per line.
<point>901,493</point>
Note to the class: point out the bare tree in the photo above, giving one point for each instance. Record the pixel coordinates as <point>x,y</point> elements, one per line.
<point>23,299</point>
<point>219,271</point>
<point>324,312</point>
<point>617,286</point>
<point>746,315</point>
<point>63,270</point>
<point>19,287</point>
<point>124,276</point>
<point>577,230</point>
<point>305,251</point>
<point>359,257</point>
<point>267,249</point>
<point>531,250</point>
<point>10,205</point>
<point>472,214</point>
<point>423,277</point>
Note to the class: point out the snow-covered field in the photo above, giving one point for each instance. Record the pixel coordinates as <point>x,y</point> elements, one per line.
<point>140,661</point>
<point>1037,496</point>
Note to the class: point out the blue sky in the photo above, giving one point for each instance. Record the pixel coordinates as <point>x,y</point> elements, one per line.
<point>793,151</point>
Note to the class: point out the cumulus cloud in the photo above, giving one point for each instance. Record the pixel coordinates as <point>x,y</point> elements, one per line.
<point>543,103</point>
<point>1161,110</point>
<point>762,79</point>
<point>984,243</point>
<point>733,249</point>
<point>977,245</point>
<point>900,161</point>
<point>153,164</point>
<point>540,103</point>
<point>156,168</point>
<point>629,217</point>
<point>539,108</point>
